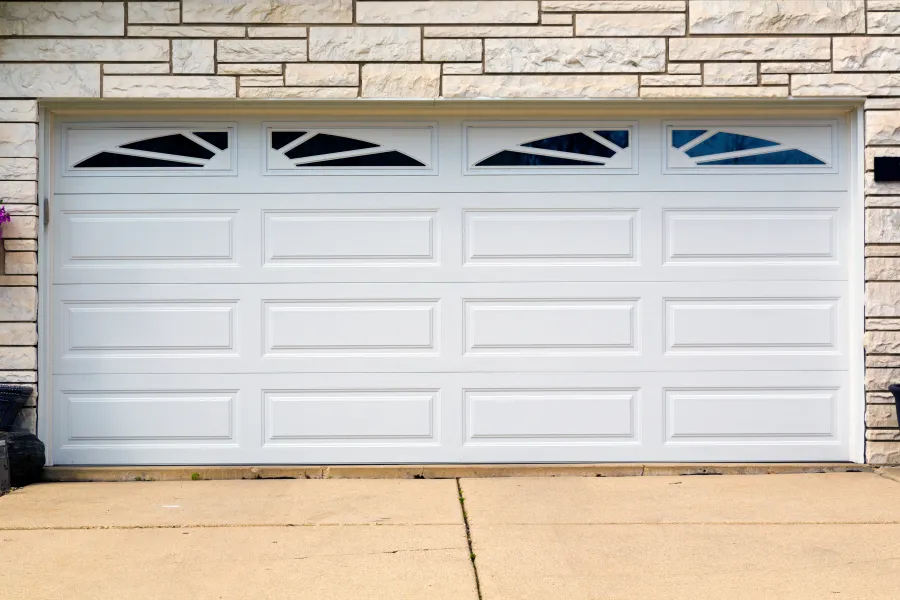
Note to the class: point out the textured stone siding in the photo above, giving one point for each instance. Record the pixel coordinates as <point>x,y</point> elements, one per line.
<point>454,49</point>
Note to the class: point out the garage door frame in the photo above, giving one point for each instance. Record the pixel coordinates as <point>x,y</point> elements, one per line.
<point>561,109</point>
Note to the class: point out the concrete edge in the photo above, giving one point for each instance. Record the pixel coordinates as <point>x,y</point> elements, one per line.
<point>892,473</point>
<point>83,474</point>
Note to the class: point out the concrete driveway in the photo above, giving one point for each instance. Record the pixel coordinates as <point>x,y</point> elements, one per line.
<point>795,537</point>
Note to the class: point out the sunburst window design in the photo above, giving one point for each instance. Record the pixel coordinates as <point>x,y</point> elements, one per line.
<point>181,150</point>
<point>713,147</point>
<point>589,148</point>
<point>312,149</point>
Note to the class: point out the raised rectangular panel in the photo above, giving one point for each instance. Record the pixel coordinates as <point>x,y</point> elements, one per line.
<point>147,238</point>
<point>336,327</point>
<point>177,328</point>
<point>151,416</point>
<point>350,237</point>
<point>750,236</point>
<point>565,414</point>
<point>540,327</point>
<point>350,415</point>
<point>707,414</point>
<point>550,236</point>
<point>776,325</point>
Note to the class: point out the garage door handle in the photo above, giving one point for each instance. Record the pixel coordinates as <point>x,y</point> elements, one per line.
<point>46,212</point>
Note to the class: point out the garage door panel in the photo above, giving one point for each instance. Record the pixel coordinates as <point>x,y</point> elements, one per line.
<point>477,417</point>
<point>444,237</point>
<point>428,327</point>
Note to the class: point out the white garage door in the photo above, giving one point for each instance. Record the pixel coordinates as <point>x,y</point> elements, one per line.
<point>376,291</point>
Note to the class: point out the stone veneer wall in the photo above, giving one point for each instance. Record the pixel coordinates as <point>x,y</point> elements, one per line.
<point>454,49</point>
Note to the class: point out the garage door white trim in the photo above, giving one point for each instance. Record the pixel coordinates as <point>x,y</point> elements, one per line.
<point>621,393</point>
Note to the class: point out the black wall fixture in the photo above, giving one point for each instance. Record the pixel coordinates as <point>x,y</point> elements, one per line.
<point>887,168</point>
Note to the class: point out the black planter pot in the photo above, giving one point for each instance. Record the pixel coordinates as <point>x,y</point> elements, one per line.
<point>12,399</point>
<point>895,390</point>
<point>26,457</point>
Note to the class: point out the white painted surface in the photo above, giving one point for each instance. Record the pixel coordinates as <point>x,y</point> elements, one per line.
<point>257,314</point>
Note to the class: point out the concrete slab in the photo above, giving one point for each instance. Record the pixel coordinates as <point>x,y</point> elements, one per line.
<point>267,502</point>
<point>822,498</point>
<point>263,563</point>
<point>687,562</point>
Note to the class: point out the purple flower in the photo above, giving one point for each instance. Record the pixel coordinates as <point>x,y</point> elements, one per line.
<point>4,218</point>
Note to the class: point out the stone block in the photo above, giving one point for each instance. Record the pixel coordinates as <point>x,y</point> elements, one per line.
<point>883,435</point>
<point>557,19</point>
<point>401,81</point>
<point>18,357</point>
<point>61,19</point>
<point>196,57</point>
<point>876,5</point>
<point>261,80</point>
<point>447,11</point>
<point>377,44</point>
<point>882,342</point>
<point>629,24</point>
<point>20,263</point>
<point>881,415</point>
<point>883,201</point>
<point>600,55</point>
<point>18,334</point>
<point>883,23</point>
<point>24,192</point>
<point>540,86</point>
<point>451,50</point>
<point>795,67</point>
<point>168,86</point>
<point>750,48</point>
<point>889,361</point>
<point>883,453</point>
<point>883,226</point>
<point>321,75</point>
<point>277,32</point>
<point>879,324</point>
<point>883,268</point>
<point>29,210</point>
<point>729,74</point>
<point>866,54</point>
<point>20,245</point>
<point>779,79</point>
<point>609,6</point>
<point>21,227</point>
<point>154,12</point>
<point>300,92</point>
<point>709,91</point>
<point>18,110</point>
<point>883,299</point>
<point>846,84</point>
<point>18,168</point>
<point>264,51</point>
<point>18,376</point>
<point>250,69</point>
<point>18,140</point>
<point>726,17</point>
<point>684,68</point>
<point>509,31</point>
<point>161,68</point>
<point>267,11</point>
<point>886,250</point>
<point>887,188</point>
<point>883,128</point>
<point>670,80</point>
<point>879,379</point>
<point>463,68</point>
<point>49,80</point>
<point>74,50</point>
<point>18,304</point>
<point>188,31</point>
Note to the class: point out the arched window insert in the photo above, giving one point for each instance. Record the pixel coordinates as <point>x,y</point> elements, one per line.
<point>711,147</point>
<point>192,150</point>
